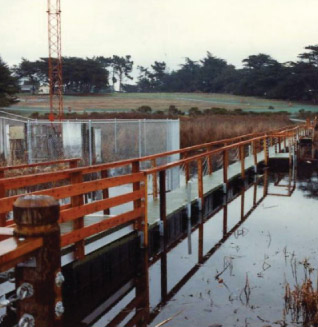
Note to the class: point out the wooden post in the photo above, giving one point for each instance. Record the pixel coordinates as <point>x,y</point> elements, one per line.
<point>186,169</point>
<point>76,201</point>
<point>265,151</point>
<point>154,180</point>
<point>284,143</point>
<point>210,165</point>
<point>200,181</point>
<point>254,154</point>
<point>73,163</point>
<point>104,174</point>
<point>38,216</point>
<point>225,167</point>
<point>242,158</point>
<point>279,145</point>
<point>135,168</point>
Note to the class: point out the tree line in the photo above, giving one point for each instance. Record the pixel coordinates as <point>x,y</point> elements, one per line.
<point>261,75</point>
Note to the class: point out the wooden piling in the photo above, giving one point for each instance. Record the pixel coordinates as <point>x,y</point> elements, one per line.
<point>37,216</point>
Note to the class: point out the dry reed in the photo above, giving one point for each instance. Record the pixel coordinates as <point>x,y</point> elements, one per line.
<point>207,128</point>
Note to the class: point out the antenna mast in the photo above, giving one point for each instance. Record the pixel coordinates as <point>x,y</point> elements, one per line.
<point>55,59</point>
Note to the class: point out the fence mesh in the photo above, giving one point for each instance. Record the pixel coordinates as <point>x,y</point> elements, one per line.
<point>31,141</point>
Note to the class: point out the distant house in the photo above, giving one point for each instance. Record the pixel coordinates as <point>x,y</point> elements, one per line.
<point>26,86</point>
<point>44,89</point>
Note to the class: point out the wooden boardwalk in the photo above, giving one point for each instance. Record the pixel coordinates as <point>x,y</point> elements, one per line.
<point>133,201</point>
<point>178,198</point>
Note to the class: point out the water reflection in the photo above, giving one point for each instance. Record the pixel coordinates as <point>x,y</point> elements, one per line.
<point>159,279</point>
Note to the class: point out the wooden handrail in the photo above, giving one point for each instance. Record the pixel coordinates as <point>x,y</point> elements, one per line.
<point>40,164</point>
<point>13,251</point>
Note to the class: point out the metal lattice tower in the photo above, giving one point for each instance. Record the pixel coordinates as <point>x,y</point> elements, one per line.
<point>55,59</point>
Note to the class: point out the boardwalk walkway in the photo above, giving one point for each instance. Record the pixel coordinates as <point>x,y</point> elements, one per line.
<point>178,198</point>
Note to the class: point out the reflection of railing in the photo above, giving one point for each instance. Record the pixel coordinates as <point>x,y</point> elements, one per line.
<point>144,315</point>
<point>289,187</point>
<point>166,295</point>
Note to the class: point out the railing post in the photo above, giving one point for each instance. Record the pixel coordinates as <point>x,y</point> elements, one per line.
<point>200,183</point>
<point>144,204</point>
<point>186,169</point>
<point>210,166</point>
<point>104,174</point>
<point>225,168</point>
<point>73,163</point>
<point>38,216</point>
<point>136,186</point>
<point>76,201</point>
<point>135,168</point>
<point>154,180</point>
<point>265,151</point>
<point>242,158</point>
<point>255,155</point>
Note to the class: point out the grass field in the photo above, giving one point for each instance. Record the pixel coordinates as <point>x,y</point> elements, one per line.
<point>159,101</point>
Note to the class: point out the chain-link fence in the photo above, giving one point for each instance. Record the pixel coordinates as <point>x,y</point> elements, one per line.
<point>30,141</point>
<point>94,141</point>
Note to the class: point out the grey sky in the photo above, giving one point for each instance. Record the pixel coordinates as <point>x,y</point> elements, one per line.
<point>166,30</point>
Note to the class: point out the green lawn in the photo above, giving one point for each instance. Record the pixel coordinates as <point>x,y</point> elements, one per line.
<point>159,101</point>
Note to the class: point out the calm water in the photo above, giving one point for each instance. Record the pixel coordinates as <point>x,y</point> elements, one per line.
<point>232,269</point>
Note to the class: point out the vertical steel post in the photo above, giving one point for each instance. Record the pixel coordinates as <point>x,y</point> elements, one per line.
<point>90,140</point>
<point>29,142</point>
<point>139,138</point>
<point>115,132</point>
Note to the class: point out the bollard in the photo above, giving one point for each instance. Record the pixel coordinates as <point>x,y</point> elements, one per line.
<point>37,216</point>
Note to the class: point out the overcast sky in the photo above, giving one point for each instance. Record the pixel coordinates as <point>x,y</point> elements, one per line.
<point>168,30</point>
